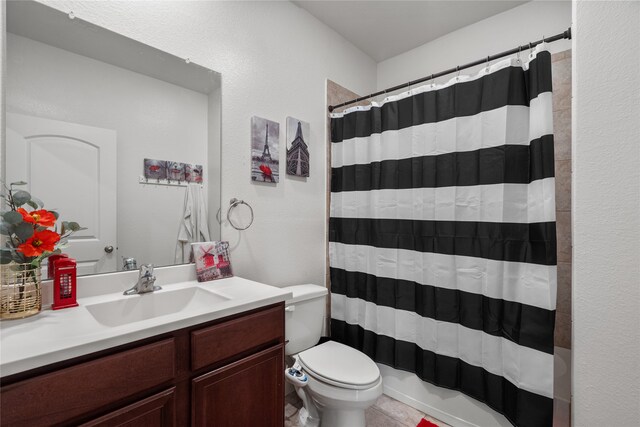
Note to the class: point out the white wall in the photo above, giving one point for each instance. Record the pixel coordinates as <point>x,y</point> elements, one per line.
<point>3,68</point>
<point>501,32</point>
<point>152,119</point>
<point>517,26</point>
<point>606,213</point>
<point>274,58</point>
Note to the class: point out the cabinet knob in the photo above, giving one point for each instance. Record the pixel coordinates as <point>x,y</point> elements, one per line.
<point>108,249</point>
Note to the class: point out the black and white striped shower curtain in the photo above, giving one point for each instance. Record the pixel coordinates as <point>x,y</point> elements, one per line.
<point>442,235</point>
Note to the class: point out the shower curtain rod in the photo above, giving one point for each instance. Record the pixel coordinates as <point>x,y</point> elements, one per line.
<point>564,35</point>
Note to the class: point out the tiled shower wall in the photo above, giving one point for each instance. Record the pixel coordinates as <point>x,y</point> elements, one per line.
<point>561,65</point>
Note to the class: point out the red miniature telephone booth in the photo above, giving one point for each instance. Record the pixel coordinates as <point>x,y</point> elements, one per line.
<point>64,283</point>
<point>52,260</point>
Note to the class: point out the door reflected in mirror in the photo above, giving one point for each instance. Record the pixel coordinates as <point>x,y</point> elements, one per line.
<point>85,107</point>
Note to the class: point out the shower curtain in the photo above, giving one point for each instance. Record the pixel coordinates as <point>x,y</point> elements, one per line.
<point>442,235</point>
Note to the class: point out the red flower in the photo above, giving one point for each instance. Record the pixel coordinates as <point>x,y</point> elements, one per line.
<point>41,241</point>
<point>41,217</point>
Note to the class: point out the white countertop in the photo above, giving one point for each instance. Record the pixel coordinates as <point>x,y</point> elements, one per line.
<point>56,335</point>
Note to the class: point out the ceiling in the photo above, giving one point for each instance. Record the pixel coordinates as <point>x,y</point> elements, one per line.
<point>383,29</point>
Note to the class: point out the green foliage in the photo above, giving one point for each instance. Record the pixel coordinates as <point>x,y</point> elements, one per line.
<point>6,229</point>
<point>70,227</point>
<point>20,197</point>
<point>12,217</point>
<point>23,231</point>
<point>6,256</point>
<point>39,204</point>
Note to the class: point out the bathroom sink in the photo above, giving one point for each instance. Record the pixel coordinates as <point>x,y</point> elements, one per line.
<point>136,308</point>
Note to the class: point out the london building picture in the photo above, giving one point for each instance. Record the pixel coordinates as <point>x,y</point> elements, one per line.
<point>297,148</point>
<point>265,136</point>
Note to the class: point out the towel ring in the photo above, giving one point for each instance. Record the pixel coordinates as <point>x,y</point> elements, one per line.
<point>234,203</point>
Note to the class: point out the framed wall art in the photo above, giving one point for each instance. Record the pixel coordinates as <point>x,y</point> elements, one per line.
<point>265,138</point>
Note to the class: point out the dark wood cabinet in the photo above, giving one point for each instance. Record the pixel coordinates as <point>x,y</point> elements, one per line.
<point>155,411</point>
<point>227,372</point>
<point>243,393</point>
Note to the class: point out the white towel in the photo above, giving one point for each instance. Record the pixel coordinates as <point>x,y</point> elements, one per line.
<point>193,225</point>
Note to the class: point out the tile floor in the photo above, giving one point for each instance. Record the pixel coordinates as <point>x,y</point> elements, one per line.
<point>386,412</point>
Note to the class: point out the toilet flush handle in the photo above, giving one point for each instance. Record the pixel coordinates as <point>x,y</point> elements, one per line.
<point>290,308</point>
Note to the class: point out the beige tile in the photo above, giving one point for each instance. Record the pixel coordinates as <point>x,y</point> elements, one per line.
<point>561,98</point>
<point>289,410</point>
<point>398,410</point>
<point>293,399</point>
<point>564,288</point>
<point>376,418</point>
<point>563,185</point>
<point>560,56</point>
<point>561,72</point>
<point>293,422</point>
<point>563,235</point>
<point>562,133</point>
<point>562,336</point>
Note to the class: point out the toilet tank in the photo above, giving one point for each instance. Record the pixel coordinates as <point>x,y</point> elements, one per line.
<point>304,315</point>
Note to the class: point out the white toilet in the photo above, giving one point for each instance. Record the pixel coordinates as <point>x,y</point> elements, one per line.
<point>336,382</point>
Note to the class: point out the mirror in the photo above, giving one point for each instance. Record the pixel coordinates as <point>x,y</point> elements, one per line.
<point>85,106</point>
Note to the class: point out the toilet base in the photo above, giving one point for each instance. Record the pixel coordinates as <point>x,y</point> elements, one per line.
<point>304,420</point>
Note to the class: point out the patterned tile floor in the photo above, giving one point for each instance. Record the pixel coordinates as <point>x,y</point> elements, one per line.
<point>386,412</point>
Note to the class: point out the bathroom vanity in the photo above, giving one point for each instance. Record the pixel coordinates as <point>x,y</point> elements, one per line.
<point>196,367</point>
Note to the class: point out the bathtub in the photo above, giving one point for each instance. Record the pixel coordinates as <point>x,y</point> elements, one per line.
<point>460,410</point>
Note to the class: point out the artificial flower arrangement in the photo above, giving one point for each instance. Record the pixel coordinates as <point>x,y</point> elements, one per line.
<point>31,235</point>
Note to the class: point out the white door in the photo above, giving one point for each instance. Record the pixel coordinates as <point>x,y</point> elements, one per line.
<point>72,169</point>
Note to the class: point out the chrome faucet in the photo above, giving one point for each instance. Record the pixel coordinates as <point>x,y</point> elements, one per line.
<point>146,281</point>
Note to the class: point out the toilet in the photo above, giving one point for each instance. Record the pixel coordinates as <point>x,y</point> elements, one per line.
<point>335,382</point>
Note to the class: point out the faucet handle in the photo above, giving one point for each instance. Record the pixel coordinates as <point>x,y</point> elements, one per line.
<point>146,271</point>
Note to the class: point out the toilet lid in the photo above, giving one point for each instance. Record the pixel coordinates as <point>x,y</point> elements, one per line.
<point>340,364</point>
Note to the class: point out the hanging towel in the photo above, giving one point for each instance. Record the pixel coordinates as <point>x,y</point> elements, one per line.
<point>193,224</point>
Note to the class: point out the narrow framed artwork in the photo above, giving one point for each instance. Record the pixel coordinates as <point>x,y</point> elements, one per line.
<point>297,147</point>
<point>155,169</point>
<point>175,171</point>
<point>212,260</point>
<point>193,173</point>
<point>265,139</point>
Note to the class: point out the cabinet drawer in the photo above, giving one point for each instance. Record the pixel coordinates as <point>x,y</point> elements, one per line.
<point>68,393</point>
<point>219,342</point>
<point>157,411</point>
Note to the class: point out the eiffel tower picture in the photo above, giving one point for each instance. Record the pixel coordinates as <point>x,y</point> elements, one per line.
<point>265,136</point>
<point>266,155</point>
<point>298,152</point>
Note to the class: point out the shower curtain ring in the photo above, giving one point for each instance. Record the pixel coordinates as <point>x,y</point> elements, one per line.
<point>432,82</point>
<point>518,54</point>
<point>458,72</point>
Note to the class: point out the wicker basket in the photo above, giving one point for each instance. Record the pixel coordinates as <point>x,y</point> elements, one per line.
<point>20,291</point>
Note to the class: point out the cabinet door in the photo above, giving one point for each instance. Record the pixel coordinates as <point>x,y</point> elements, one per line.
<point>245,393</point>
<point>155,411</point>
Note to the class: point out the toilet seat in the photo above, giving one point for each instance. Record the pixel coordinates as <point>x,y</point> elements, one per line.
<point>340,365</point>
